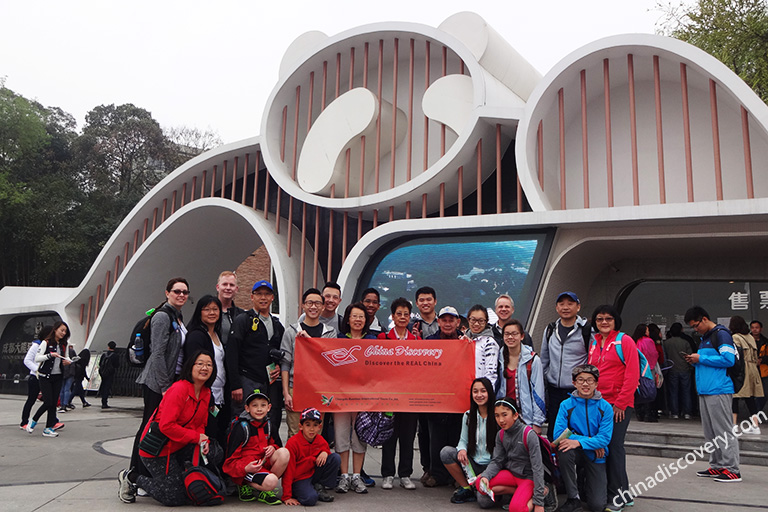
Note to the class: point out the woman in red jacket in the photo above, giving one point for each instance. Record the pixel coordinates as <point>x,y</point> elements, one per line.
<point>181,416</point>
<point>615,355</point>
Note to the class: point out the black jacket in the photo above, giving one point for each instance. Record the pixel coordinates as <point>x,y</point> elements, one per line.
<point>248,349</point>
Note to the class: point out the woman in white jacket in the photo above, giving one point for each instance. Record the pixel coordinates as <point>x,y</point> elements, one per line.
<point>51,357</point>
<point>33,387</point>
<point>521,377</point>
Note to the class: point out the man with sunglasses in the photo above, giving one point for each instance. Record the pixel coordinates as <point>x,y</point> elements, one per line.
<point>254,334</point>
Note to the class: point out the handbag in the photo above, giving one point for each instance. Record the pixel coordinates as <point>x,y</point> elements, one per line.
<point>374,428</point>
<point>154,440</point>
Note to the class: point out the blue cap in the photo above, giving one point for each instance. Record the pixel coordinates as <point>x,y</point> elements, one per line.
<point>310,414</point>
<point>262,284</point>
<point>570,295</point>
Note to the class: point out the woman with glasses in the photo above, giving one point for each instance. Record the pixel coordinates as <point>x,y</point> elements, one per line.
<point>521,379</point>
<point>165,360</point>
<point>204,334</point>
<point>615,356</point>
<point>486,348</point>
<point>181,418</point>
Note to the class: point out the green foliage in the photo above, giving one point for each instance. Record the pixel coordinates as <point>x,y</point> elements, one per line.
<point>62,194</point>
<point>734,31</point>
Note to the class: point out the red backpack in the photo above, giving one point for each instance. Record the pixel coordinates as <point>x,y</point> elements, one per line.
<point>204,487</point>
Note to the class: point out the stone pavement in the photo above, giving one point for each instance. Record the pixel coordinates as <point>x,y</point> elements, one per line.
<point>77,472</point>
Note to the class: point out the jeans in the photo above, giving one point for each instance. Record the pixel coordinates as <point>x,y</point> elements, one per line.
<point>66,391</point>
<point>304,491</point>
<point>679,386</point>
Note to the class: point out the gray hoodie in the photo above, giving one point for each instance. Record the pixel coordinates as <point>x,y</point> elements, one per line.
<point>559,357</point>
<point>288,344</point>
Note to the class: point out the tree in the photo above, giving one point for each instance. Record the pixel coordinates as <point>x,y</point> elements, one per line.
<point>189,142</point>
<point>734,31</point>
<point>122,150</point>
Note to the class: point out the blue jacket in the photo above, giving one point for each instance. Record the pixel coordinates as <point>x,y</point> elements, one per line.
<point>717,353</point>
<point>590,420</point>
<point>530,389</point>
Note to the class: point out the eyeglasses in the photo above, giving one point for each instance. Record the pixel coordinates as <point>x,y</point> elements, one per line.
<point>211,309</point>
<point>581,380</point>
<point>204,365</point>
<point>512,335</point>
<point>357,317</point>
<point>180,292</point>
<point>604,319</point>
<point>476,320</point>
<point>313,303</point>
<point>695,325</point>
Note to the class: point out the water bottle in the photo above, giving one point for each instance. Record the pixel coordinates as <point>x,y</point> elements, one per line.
<point>138,347</point>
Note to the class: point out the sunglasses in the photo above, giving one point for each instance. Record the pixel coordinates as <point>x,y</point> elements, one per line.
<point>180,292</point>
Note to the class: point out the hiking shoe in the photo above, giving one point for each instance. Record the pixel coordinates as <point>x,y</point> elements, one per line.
<point>58,426</point>
<point>322,494</point>
<point>463,495</point>
<point>30,427</point>
<point>245,493</point>
<point>49,432</point>
<point>388,482</point>
<point>269,498</point>
<point>405,483</point>
<point>343,486</point>
<point>126,490</point>
<point>358,486</point>
<point>367,480</point>
<point>727,475</point>
<point>709,473</point>
<point>571,505</point>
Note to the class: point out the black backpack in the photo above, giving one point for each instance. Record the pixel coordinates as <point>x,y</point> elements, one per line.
<point>737,372</point>
<point>136,356</point>
<point>586,333</point>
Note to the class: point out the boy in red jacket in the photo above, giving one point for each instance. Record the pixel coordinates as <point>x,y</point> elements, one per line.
<point>312,466</point>
<point>254,461</point>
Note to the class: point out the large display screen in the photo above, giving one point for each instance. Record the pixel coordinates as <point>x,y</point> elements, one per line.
<point>463,269</point>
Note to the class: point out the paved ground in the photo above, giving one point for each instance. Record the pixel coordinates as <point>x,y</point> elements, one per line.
<point>77,471</point>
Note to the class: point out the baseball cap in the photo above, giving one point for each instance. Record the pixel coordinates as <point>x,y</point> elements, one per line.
<point>257,393</point>
<point>449,310</point>
<point>310,414</point>
<point>261,284</point>
<point>569,295</point>
<point>585,368</point>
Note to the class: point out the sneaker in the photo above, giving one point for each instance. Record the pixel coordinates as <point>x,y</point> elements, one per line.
<point>388,482</point>
<point>430,481</point>
<point>463,495</point>
<point>709,473</point>
<point>86,404</point>
<point>571,505</point>
<point>30,427</point>
<point>358,486</point>
<point>141,493</point>
<point>245,493</point>
<point>367,480</point>
<point>62,409</point>
<point>686,416</point>
<point>756,431</point>
<point>343,486</point>
<point>24,426</point>
<point>612,508</point>
<point>674,416</point>
<point>71,407</point>
<point>126,490</point>
<point>322,494</point>
<point>106,407</point>
<point>269,498</point>
<point>49,432</point>
<point>405,483</point>
<point>58,426</point>
<point>424,477</point>
<point>630,503</point>
<point>727,475</point>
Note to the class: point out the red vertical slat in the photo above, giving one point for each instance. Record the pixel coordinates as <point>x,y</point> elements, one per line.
<point>409,140</point>
<point>213,179</point>
<point>633,128</point>
<point>106,284</point>
<point>608,133</point>
<point>98,302</point>
<point>266,194</point>
<point>135,241</point>
<point>303,258</point>
<point>245,178</point>
<point>351,68</point>
<point>184,194</point>
<point>278,209</point>
<point>338,76</point>
<point>379,78</point>
<point>345,224</point>
<point>82,313</point>
<point>407,209</point>
<point>480,177</point>
<point>154,220</point>
<point>144,235</point>
<point>498,168</point>
<point>359,225</point>
<point>394,118</point>
<point>443,72</point>
<point>234,179</point>
<point>442,199</point>
<point>202,184</point>
<point>427,59</point>
<point>256,179</point>
<point>423,206</point>
<point>584,140</point>
<point>361,190</point>
<point>716,138</point>
<point>540,153</point>
<point>747,153</point>
<point>315,263</point>
<point>329,273</point>
<point>310,102</point>
<point>117,269</point>
<point>659,130</point>
<point>224,179</point>
<point>686,130</point>
<point>325,86</point>
<point>88,319</point>
<point>126,256</point>
<point>283,130</point>
<point>173,202</point>
<point>461,191</point>
<point>561,116</point>
<point>375,218</point>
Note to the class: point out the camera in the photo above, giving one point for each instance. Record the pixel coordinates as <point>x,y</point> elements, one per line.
<point>276,354</point>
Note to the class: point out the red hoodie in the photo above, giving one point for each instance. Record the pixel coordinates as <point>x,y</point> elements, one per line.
<point>301,464</point>
<point>244,454</point>
<point>618,381</point>
<point>181,416</point>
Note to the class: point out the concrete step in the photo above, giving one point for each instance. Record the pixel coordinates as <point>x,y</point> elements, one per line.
<point>671,451</point>
<point>746,442</point>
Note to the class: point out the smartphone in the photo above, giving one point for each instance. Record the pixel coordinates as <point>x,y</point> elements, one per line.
<point>684,354</point>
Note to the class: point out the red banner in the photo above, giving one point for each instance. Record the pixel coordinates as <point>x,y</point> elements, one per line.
<point>383,375</point>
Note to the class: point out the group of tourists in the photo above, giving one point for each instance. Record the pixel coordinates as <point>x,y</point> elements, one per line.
<point>216,387</point>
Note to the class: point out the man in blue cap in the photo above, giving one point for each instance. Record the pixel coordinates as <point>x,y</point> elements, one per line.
<point>254,334</point>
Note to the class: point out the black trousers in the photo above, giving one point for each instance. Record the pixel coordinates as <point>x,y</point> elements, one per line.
<point>444,430</point>
<point>555,396</point>
<point>105,389</point>
<point>151,402</point>
<point>404,434</point>
<point>33,388</point>
<point>51,388</point>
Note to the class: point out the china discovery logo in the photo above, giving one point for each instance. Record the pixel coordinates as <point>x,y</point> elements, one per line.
<point>341,356</point>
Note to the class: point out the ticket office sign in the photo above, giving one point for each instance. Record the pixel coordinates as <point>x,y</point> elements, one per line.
<point>337,375</point>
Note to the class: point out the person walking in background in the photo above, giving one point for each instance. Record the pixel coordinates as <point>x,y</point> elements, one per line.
<point>33,386</point>
<point>81,366</point>
<point>756,329</point>
<point>68,375</point>
<point>753,386</point>
<point>107,370</point>
<point>646,412</point>
<point>678,378</point>
<point>716,354</point>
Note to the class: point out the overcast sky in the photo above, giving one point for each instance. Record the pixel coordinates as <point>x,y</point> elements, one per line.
<point>214,64</point>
